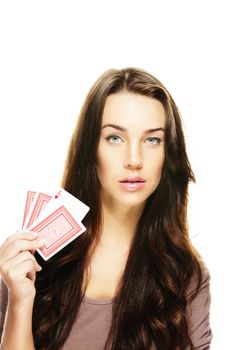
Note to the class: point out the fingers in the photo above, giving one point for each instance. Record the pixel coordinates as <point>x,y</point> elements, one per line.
<point>17,273</point>
<point>33,251</point>
<point>25,256</point>
<point>28,235</point>
<point>18,265</point>
<point>26,269</point>
<point>19,242</point>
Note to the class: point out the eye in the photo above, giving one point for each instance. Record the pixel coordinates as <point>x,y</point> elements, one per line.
<point>153,140</point>
<point>113,139</point>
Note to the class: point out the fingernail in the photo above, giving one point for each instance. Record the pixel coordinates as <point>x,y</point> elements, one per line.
<point>35,234</point>
<point>41,240</point>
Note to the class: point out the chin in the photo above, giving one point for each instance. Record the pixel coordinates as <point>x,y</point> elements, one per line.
<point>132,202</point>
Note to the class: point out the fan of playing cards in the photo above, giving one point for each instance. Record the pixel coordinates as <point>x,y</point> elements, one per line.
<point>57,218</point>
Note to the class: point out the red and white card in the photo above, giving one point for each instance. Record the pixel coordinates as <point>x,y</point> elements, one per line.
<point>56,218</point>
<point>37,204</point>
<point>29,200</point>
<point>78,208</point>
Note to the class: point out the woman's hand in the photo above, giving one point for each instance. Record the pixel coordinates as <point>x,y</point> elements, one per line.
<point>18,265</point>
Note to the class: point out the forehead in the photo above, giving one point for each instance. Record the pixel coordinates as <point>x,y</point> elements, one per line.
<point>127,109</point>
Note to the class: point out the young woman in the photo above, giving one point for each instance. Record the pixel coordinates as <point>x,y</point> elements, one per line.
<point>133,280</point>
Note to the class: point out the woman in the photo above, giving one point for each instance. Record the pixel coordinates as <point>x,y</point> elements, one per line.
<point>133,280</point>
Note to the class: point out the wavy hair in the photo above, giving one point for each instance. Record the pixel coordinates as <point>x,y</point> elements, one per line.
<point>150,303</point>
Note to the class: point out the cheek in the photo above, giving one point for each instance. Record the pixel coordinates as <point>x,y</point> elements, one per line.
<point>103,163</point>
<point>108,159</point>
<point>158,167</point>
<point>100,168</point>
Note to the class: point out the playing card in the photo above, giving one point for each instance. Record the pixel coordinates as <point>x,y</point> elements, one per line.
<point>39,203</point>
<point>59,222</point>
<point>62,197</point>
<point>29,200</point>
<point>59,229</point>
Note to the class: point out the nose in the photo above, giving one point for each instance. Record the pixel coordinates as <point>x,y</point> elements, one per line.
<point>133,159</point>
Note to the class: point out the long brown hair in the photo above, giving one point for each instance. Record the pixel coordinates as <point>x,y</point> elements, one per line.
<point>149,307</point>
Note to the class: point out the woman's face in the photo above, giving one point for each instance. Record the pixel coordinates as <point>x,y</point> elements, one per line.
<point>130,153</point>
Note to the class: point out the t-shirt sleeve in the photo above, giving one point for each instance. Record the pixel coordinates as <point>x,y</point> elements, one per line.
<point>198,312</point>
<point>3,305</point>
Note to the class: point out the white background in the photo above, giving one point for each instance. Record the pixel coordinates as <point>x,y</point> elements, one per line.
<point>51,52</point>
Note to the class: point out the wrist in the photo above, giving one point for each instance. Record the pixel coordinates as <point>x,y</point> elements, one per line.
<point>20,304</point>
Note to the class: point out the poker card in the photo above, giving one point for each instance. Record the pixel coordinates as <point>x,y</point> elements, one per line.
<point>62,197</point>
<point>29,200</point>
<point>59,222</point>
<point>59,229</point>
<point>40,200</point>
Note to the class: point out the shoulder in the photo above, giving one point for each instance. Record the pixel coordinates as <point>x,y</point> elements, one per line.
<point>204,283</point>
<point>198,310</point>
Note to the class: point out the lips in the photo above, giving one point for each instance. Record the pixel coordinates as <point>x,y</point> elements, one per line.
<point>132,179</point>
<point>132,184</point>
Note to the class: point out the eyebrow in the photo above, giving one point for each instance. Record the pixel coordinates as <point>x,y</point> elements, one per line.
<point>118,127</point>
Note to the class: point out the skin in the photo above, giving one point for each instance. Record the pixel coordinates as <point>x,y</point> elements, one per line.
<point>120,154</point>
<point>133,151</point>
<point>18,268</point>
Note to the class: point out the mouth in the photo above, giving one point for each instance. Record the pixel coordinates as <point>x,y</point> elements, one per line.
<point>132,183</point>
<point>132,179</point>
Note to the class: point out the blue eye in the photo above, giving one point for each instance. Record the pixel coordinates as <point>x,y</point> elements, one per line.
<point>153,140</point>
<point>113,139</point>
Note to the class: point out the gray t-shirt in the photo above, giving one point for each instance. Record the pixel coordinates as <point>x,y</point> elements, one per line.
<point>92,325</point>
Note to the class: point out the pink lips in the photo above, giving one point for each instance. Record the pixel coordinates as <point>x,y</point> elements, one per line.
<point>132,183</point>
<point>132,179</point>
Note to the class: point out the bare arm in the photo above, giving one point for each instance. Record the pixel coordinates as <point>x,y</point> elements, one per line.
<point>17,332</point>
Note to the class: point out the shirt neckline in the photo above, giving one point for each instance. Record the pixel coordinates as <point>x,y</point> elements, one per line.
<point>98,302</point>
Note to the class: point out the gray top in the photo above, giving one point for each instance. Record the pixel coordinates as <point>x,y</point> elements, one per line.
<point>94,319</point>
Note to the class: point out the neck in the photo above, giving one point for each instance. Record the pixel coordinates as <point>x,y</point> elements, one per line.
<point>119,224</point>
